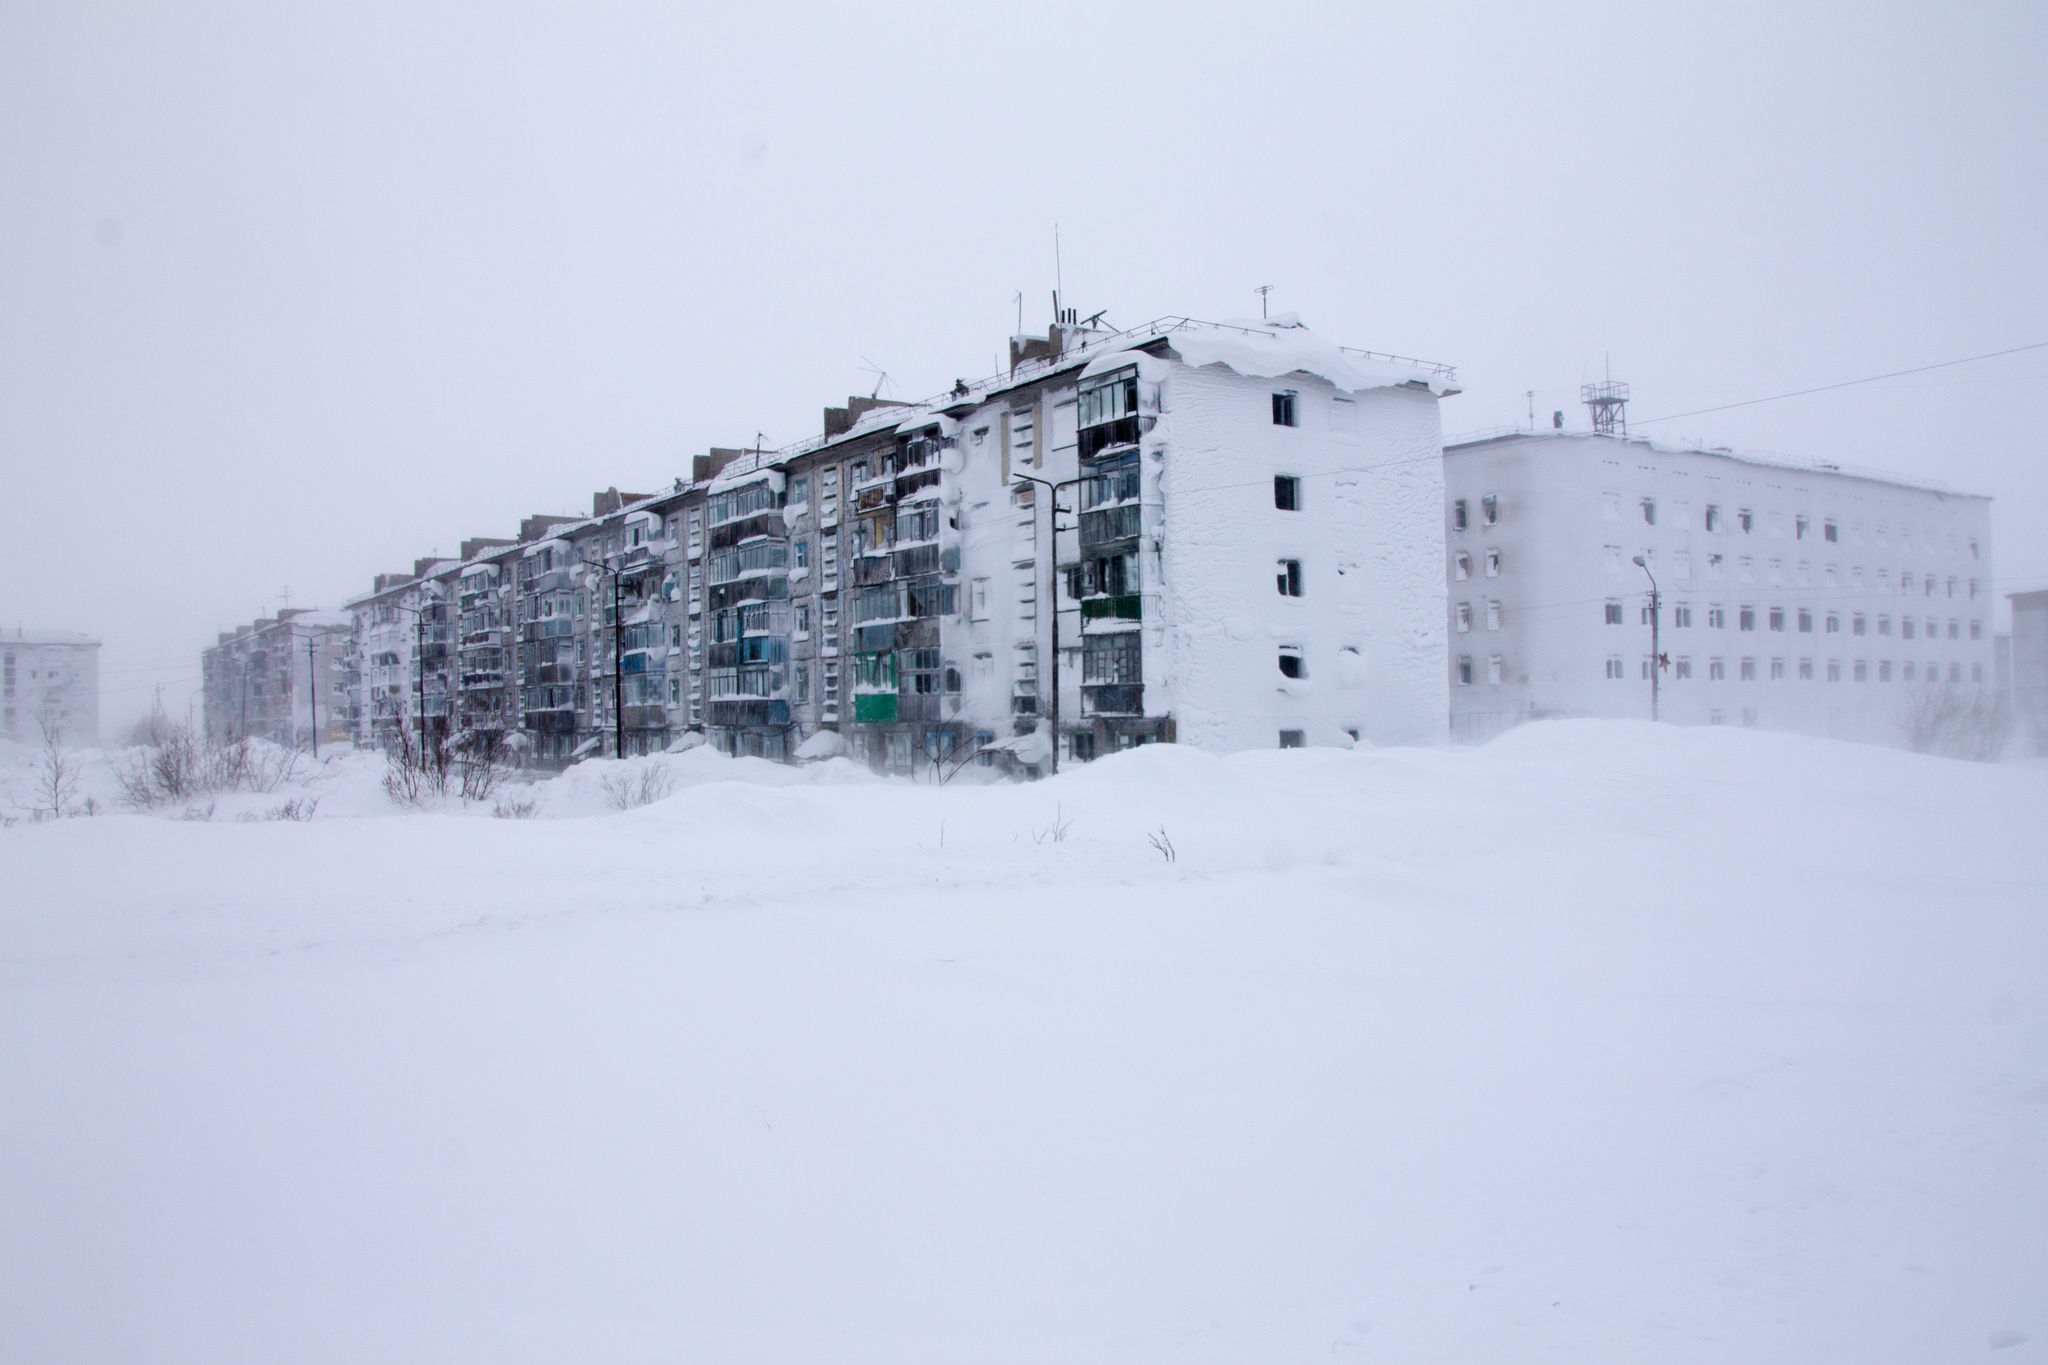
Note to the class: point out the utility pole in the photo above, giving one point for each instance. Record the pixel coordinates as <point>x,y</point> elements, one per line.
<point>1052,497</point>
<point>1656,652</point>
<point>313,695</point>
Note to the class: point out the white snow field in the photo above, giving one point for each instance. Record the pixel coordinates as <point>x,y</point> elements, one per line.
<point>1606,1042</point>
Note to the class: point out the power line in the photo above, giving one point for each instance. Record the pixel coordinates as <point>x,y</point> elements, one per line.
<point>1847,383</point>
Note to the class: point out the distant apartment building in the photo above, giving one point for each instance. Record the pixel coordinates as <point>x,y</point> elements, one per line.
<point>2028,651</point>
<point>281,678</point>
<point>1213,534</point>
<point>50,683</point>
<point>1795,596</point>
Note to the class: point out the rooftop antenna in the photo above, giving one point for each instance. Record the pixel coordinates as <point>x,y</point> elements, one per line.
<point>286,593</point>
<point>1532,409</point>
<point>881,375</point>
<point>1608,402</point>
<point>1059,283</point>
<point>1262,291</point>
<point>1020,313</point>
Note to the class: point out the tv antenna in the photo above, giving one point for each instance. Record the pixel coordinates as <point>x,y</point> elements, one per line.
<point>286,593</point>
<point>881,375</point>
<point>1262,291</point>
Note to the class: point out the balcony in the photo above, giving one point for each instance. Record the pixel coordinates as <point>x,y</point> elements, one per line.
<point>739,711</point>
<point>1128,607</point>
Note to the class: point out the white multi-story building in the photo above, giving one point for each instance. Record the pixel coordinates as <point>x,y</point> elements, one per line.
<point>1248,528</point>
<point>1796,596</point>
<point>50,682</point>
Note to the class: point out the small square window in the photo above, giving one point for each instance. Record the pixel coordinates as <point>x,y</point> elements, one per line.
<point>1283,409</point>
<point>1458,515</point>
<point>1287,492</point>
<point>1489,510</point>
<point>1293,739</point>
<point>1291,665</point>
<point>1613,613</point>
<point>1464,670</point>
<point>1290,578</point>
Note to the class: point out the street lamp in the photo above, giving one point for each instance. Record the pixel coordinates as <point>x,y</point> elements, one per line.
<point>1656,654</point>
<point>1052,496</point>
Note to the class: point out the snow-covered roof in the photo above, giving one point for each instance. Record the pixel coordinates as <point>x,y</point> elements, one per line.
<point>20,636</point>
<point>1769,459</point>
<point>1256,347</point>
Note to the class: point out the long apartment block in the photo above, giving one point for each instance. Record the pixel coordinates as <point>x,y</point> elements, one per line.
<point>1225,535</point>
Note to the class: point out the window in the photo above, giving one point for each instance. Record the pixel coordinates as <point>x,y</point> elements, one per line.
<point>899,749</point>
<point>1283,409</point>
<point>1806,620</point>
<point>1287,492</point>
<point>952,678</point>
<point>799,490</point>
<point>803,684</point>
<point>1884,670</point>
<point>1973,585</point>
<point>1291,663</point>
<point>1746,618</point>
<point>1833,623</point>
<point>1834,670</point>
<point>1856,623</point>
<point>1806,670</point>
<point>1749,670</point>
<point>803,554</point>
<point>1610,558</point>
<point>1489,510</point>
<point>1464,617</point>
<point>1681,667</point>
<point>1716,671</point>
<point>1464,670</point>
<point>1494,670</point>
<point>1613,612</point>
<point>1493,563</point>
<point>977,599</point>
<point>1955,672</point>
<point>1829,532</point>
<point>1107,412</point>
<point>1714,566</point>
<point>921,670</point>
<point>1884,625</point>
<point>1862,671</point>
<point>1614,669</point>
<point>1976,630</point>
<point>1681,614</point>
<point>1649,511</point>
<point>1458,515</point>
<point>1746,519</point>
<point>1906,624</point>
<point>1290,578</point>
<point>1777,670</point>
<point>1713,518</point>
<point>1293,739</point>
<point>1800,526</point>
<point>1955,630</point>
<point>1461,566</point>
<point>828,617</point>
<point>1717,619</point>
<point>1493,614</point>
<point>1777,618</point>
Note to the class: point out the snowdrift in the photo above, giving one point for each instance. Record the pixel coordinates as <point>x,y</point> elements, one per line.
<point>1605,1042</point>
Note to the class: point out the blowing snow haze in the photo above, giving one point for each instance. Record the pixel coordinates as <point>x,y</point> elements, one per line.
<point>291,298</point>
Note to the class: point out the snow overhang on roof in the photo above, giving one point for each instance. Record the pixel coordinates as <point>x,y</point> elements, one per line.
<point>758,473</point>
<point>1270,348</point>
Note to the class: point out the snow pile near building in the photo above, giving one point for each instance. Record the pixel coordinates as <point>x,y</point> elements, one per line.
<point>1605,1042</point>
<point>1269,348</point>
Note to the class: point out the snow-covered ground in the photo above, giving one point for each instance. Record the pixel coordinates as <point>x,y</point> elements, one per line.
<point>1605,1042</point>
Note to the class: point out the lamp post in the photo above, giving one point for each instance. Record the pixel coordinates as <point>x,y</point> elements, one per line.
<point>618,664</point>
<point>1052,495</point>
<point>1656,653</point>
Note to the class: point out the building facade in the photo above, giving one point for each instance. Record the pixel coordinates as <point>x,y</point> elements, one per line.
<point>1217,534</point>
<point>281,678</point>
<point>50,683</point>
<point>2028,666</point>
<point>1794,596</point>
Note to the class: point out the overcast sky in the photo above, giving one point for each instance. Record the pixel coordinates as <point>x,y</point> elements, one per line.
<point>291,296</point>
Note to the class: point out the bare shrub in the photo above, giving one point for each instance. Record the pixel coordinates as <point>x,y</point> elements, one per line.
<point>625,791</point>
<point>298,808</point>
<point>516,808</point>
<point>199,813</point>
<point>1160,842</point>
<point>1973,724</point>
<point>484,763</point>
<point>1056,832</point>
<point>56,777</point>
<point>416,768</point>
